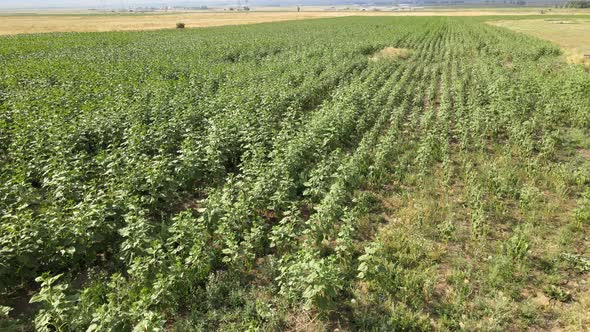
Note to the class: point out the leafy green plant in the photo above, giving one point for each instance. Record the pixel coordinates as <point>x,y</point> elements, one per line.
<point>57,312</point>
<point>557,293</point>
<point>263,177</point>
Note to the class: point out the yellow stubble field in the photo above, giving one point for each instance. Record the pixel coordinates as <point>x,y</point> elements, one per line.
<point>572,34</point>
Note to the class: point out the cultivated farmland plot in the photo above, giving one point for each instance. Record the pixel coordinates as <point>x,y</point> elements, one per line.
<point>389,174</point>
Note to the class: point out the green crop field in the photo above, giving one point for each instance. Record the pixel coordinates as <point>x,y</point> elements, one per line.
<point>351,174</point>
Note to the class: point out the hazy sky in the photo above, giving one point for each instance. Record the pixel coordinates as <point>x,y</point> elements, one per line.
<point>29,4</point>
<point>24,4</point>
<point>101,3</point>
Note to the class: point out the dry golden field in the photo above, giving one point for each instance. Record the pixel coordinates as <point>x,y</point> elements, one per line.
<point>19,24</point>
<point>573,35</point>
<point>41,22</point>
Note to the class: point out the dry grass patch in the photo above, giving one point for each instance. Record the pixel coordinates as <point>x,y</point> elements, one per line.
<point>22,24</point>
<point>577,317</point>
<point>391,53</point>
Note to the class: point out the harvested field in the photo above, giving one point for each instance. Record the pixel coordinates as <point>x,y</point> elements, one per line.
<point>573,35</point>
<point>85,23</point>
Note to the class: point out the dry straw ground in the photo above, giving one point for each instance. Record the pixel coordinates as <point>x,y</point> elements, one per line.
<point>391,53</point>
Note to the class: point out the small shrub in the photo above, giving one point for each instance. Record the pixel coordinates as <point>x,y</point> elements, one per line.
<point>179,25</point>
<point>558,294</point>
<point>517,247</point>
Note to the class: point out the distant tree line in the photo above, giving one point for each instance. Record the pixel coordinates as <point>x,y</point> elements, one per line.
<point>514,2</point>
<point>577,4</point>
